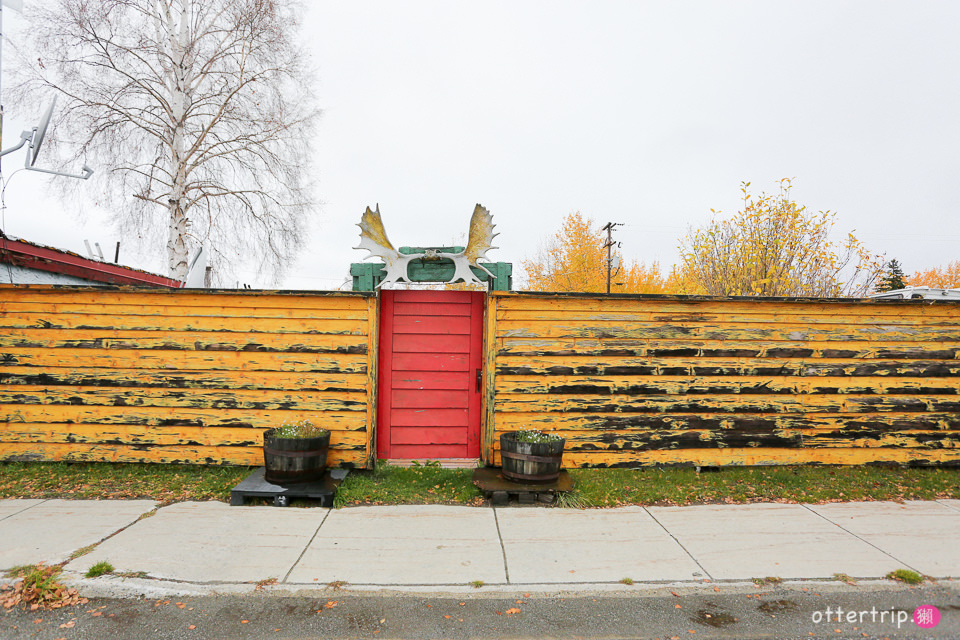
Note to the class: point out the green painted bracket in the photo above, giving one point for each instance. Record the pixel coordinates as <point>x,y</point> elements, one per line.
<point>367,275</point>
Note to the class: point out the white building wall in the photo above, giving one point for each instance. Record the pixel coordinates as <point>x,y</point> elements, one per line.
<point>11,274</point>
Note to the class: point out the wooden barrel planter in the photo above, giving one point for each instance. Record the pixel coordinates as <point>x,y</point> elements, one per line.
<point>292,460</point>
<point>530,461</point>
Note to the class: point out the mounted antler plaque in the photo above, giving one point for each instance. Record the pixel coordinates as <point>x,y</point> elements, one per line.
<point>374,239</point>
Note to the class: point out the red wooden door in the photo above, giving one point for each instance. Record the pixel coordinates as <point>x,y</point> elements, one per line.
<point>430,362</point>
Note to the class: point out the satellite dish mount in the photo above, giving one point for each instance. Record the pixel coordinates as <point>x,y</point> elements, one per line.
<point>34,138</point>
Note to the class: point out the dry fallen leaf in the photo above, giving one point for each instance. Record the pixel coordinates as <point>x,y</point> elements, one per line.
<point>193,626</point>
<point>512,610</point>
<point>675,593</point>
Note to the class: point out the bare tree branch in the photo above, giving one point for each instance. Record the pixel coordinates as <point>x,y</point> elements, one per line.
<point>198,114</point>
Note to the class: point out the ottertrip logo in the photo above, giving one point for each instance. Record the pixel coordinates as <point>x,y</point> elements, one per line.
<point>925,616</point>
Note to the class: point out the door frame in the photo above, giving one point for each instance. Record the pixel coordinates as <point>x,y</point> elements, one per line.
<point>384,366</point>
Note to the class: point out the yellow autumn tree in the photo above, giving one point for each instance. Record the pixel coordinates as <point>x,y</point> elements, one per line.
<point>575,259</point>
<point>946,277</point>
<point>773,247</point>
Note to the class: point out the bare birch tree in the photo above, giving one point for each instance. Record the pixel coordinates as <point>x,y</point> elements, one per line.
<point>196,113</point>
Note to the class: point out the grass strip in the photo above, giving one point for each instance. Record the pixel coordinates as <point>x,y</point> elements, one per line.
<point>431,484</point>
<point>420,484</point>
<point>737,485</point>
<point>166,483</point>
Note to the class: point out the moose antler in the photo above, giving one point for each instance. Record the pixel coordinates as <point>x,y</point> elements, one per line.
<point>481,237</point>
<point>373,238</point>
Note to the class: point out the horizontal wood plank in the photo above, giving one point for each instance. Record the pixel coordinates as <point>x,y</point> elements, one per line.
<point>179,398</point>
<point>166,416</point>
<point>182,341</point>
<point>184,360</point>
<point>15,376</point>
<point>238,324</point>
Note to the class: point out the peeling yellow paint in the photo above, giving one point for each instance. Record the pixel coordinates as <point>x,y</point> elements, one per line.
<point>131,375</point>
<point>634,381</point>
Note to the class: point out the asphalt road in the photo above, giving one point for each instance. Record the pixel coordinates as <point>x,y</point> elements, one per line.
<point>777,613</point>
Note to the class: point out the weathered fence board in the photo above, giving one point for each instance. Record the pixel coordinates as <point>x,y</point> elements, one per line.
<point>131,375</point>
<point>642,380</point>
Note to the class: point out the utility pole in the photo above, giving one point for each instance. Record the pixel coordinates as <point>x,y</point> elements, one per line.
<point>609,247</point>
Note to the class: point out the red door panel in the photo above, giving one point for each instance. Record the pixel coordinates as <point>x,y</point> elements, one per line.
<point>432,325</point>
<point>431,380</point>
<point>431,362</point>
<point>424,343</point>
<point>431,418</point>
<point>430,357</point>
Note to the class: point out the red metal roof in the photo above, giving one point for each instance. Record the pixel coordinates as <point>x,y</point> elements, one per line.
<point>34,256</point>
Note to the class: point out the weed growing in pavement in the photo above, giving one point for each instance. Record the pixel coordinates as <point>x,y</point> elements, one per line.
<point>476,584</point>
<point>38,589</point>
<point>99,569</point>
<point>82,551</point>
<point>905,576</point>
<point>132,574</point>
<point>266,582</point>
<point>768,580</point>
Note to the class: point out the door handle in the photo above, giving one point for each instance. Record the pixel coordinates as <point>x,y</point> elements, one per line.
<point>479,379</point>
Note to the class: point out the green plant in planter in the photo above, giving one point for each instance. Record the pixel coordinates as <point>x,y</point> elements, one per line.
<point>299,429</point>
<point>536,436</point>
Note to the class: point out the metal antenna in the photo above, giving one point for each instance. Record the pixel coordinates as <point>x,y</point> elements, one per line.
<point>36,135</point>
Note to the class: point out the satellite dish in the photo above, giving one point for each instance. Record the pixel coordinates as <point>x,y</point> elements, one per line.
<point>41,132</point>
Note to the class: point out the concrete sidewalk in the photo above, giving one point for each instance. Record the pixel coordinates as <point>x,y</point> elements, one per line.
<point>204,547</point>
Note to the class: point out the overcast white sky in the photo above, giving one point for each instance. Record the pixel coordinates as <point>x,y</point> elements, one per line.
<point>645,113</point>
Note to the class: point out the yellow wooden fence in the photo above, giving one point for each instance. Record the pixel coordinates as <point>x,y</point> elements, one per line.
<point>638,380</point>
<point>196,376</point>
<point>192,376</point>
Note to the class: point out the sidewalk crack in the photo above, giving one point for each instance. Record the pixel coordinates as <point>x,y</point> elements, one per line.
<point>16,513</point>
<point>503,549</point>
<point>685,550</point>
<point>867,542</point>
<point>948,506</point>
<point>307,546</point>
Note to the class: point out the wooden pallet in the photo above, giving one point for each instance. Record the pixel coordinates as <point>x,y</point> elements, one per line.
<point>500,490</point>
<point>255,486</point>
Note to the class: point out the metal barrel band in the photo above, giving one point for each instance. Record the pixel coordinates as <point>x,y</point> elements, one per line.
<point>528,457</point>
<point>293,454</point>
<point>545,477</point>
